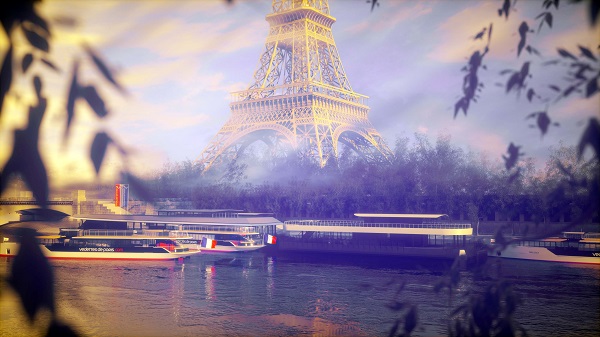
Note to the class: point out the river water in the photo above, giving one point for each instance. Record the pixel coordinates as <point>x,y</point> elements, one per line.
<point>297,295</point>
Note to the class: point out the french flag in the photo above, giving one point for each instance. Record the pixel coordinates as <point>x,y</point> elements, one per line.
<point>270,239</point>
<point>208,243</point>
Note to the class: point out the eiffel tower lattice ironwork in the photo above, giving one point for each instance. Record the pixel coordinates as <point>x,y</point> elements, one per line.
<point>300,97</point>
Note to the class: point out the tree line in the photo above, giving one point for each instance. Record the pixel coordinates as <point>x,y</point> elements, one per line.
<point>424,176</point>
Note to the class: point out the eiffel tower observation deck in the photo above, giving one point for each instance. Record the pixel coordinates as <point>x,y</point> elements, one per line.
<point>300,97</point>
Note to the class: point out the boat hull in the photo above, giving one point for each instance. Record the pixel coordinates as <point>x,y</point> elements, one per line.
<point>230,249</point>
<point>219,248</point>
<point>97,253</point>
<point>543,254</point>
<point>365,249</point>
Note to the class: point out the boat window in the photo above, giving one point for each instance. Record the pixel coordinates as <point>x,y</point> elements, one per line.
<point>229,237</point>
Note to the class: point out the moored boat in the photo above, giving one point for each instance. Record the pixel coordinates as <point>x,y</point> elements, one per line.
<point>215,231</point>
<point>104,244</point>
<point>571,247</point>
<point>410,235</point>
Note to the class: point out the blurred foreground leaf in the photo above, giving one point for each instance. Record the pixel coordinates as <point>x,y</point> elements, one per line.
<point>31,275</point>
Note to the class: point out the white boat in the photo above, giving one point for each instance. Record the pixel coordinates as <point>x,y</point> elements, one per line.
<point>210,242</point>
<point>216,231</point>
<point>105,245</point>
<point>571,247</point>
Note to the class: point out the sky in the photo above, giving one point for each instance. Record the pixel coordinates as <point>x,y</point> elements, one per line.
<point>179,61</point>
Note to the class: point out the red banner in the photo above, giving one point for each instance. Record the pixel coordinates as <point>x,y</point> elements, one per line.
<point>118,195</point>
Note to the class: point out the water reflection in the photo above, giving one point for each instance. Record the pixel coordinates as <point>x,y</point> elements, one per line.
<point>256,294</point>
<point>209,277</point>
<point>270,282</point>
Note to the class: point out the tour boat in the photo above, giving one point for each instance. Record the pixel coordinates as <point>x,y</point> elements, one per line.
<point>106,244</point>
<point>571,247</point>
<point>215,231</point>
<point>211,242</point>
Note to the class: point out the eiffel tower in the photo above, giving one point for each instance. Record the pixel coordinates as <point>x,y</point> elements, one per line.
<point>300,98</point>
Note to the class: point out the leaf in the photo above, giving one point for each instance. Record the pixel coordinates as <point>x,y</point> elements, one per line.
<point>410,322</point>
<point>551,62</point>
<point>504,9</point>
<point>566,54</point>
<point>547,18</point>
<point>36,39</point>
<point>27,59</point>
<point>38,21</point>
<point>462,104</point>
<point>533,114</point>
<point>523,30</point>
<point>582,69</point>
<point>94,100</point>
<point>587,53</point>
<point>6,75</point>
<point>543,121</point>
<point>514,80</point>
<point>37,85</point>
<point>73,95</point>
<point>51,65</point>
<point>530,94</point>
<point>591,87</point>
<point>590,137</point>
<point>513,156</point>
<point>31,275</point>
<point>548,3</point>
<point>532,50</point>
<point>479,35</point>
<point>25,159</point>
<point>569,90</point>
<point>58,329</point>
<point>103,68</point>
<point>517,80</point>
<point>98,150</point>
<point>594,10</point>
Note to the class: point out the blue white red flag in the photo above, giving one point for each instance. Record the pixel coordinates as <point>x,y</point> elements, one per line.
<point>270,239</point>
<point>208,243</point>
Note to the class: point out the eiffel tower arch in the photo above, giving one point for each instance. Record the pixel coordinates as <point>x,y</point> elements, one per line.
<point>300,97</point>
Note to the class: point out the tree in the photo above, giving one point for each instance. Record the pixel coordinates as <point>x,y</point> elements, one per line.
<point>581,71</point>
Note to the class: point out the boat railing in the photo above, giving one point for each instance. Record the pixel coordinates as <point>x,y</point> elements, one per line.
<point>108,232</point>
<point>352,223</point>
<point>222,229</point>
<point>165,234</point>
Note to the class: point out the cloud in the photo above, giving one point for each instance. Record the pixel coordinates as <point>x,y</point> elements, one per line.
<point>160,71</point>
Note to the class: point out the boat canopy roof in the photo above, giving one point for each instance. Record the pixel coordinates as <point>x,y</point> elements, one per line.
<point>48,237</point>
<point>179,220</point>
<point>202,210</point>
<point>401,216</point>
